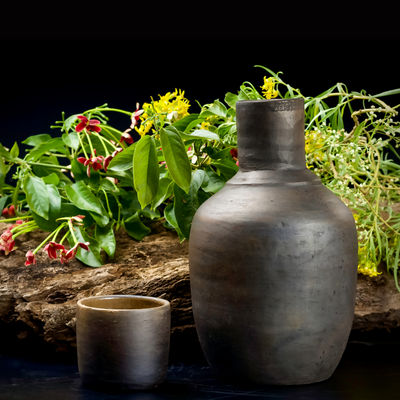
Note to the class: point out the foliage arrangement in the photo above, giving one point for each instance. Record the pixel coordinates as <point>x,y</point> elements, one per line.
<point>184,158</point>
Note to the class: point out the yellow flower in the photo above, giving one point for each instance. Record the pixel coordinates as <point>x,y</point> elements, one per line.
<point>356,217</point>
<point>144,128</point>
<point>365,266</point>
<point>314,141</point>
<point>268,88</point>
<point>205,125</point>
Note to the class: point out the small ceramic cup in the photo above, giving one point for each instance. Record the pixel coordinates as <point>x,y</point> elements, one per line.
<point>123,341</point>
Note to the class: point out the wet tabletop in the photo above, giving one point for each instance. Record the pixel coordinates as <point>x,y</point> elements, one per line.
<point>366,371</point>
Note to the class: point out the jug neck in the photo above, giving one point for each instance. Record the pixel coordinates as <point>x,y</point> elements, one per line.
<point>270,134</point>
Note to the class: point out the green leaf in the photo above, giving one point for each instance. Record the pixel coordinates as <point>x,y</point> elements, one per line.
<point>64,180</point>
<point>50,224</point>
<point>231,99</point>
<point>69,121</point>
<point>359,130</point>
<point>165,191</point>
<point>135,227</point>
<point>242,95</point>
<point>56,144</point>
<point>3,172</point>
<point>2,179</point>
<point>37,196</point>
<point>228,127</point>
<point>108,186</point>
<point>199,134</point>
<point>232,113</point>
<point>5,153</point>
<point>212,182</point>
<point>276,76</point>
<point>176,157</point>
<point>51,179</point>
<point>92,258</point>
<point>145,170</point>
<point>82,197</point>
<point>125,178</point>
<point>186,204</point>
<point>169,214</point>
<point>69,210</point>
<point>42,171</point>
<point>226,167</point>
<point>222,154</point>
<point>390,147</point>
<point>101,219</point>
<point>3,202</point>
<point>123,160</point>
<point>387,93</point>
<point>130,204</point>
<point>217,108</point>
<point>183,123</point>
<point>37,139</point>
<point>106,238</point>
<point>193,124</point>
<point>14,152</point>
<point>71,140</point>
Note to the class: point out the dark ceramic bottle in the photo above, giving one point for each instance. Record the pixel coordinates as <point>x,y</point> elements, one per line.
<point>273,259</point>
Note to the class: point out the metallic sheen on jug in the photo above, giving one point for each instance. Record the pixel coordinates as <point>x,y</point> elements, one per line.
<point>273,259</point>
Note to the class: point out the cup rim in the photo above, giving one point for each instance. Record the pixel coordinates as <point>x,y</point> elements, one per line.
<point>165,304</point>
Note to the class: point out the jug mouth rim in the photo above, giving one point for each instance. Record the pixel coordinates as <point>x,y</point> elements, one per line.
<point>270,100</point>
<point>158,303</point>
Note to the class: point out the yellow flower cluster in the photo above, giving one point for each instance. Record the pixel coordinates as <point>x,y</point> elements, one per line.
<point>365,266</point>
<point>314,142</point>
<point>168,103</point>
<point>268,88</point>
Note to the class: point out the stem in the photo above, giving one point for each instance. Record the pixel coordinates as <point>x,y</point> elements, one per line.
<point>119,211</point>
<point>108,109</point>
<point>64,237</point>
<point>107,130</point>
<point>51,236</point>
<point>83,147</point>
<point>59,155</point>
<point>335,174</point>
<point>108,205</point>
<point>71,229</point>
<point>15,219</point>
<point>23,226</point>
<point>26,230</point>
<point>15,199</point>
<point>102,142</point>
<point>49,165</point>
<point>375,166</point>
<point>90,144</point>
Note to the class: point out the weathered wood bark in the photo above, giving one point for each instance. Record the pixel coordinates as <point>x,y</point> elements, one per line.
<point>40,300</point>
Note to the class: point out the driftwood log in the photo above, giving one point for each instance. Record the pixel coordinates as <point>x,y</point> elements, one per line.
<point>39,301</point>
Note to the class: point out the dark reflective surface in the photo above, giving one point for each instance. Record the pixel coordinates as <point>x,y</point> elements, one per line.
<point>368,370</point>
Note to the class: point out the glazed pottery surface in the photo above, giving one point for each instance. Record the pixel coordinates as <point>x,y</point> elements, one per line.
<point>273,259</point>
<point>123,341</point>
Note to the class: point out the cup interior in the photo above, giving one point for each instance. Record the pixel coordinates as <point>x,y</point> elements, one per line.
<point>122,303</point>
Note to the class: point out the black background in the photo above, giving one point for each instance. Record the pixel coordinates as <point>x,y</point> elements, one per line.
<point>41,78</point>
